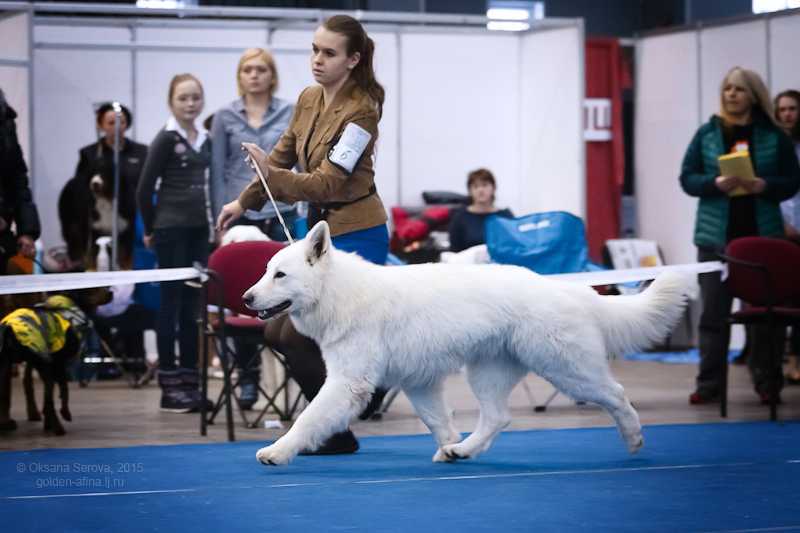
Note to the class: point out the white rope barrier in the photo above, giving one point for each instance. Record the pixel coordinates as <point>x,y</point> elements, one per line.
<point>611,277</point>
<point>84,280</point>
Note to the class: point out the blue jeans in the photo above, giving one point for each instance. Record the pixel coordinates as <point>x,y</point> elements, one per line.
<point>372,243</point>
<point>178,247</point>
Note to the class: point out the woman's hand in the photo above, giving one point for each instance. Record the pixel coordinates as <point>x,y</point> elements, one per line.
<point>230,212</point>
<point>27,248</point>
<point>257,155</point>
<point>148,240</point>
<point>727,183</point>
<point>755,186</point>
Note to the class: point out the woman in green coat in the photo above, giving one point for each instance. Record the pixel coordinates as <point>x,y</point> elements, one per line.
<point>743,123</point>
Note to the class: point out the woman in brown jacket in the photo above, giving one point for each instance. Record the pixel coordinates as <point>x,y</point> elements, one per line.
<point>331,140</point>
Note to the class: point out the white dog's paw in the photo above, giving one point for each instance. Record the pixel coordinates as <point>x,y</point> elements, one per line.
<point>273,455</point>
<point>455,451</point>
<point>635,443</point>
<point>441,457</point>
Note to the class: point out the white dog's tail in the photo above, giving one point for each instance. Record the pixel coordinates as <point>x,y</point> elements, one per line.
<point>633,322</point>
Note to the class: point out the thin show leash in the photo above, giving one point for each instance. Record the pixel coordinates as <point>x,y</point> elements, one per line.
<point>263,180</point>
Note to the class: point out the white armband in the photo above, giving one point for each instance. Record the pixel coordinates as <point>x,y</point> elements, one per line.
<point>351,146</point>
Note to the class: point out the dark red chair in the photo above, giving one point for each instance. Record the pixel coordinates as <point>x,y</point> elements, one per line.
<point>765,274</point>
<point>232,269</point>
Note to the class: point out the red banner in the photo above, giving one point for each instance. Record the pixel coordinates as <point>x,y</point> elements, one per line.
<point>605,150</point>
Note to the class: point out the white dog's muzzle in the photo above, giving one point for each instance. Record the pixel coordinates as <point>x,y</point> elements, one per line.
<point>270,312</point>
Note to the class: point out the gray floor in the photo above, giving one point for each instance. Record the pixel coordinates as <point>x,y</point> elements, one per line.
<point>110,414</point>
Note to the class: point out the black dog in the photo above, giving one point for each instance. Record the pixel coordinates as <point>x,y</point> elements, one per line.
<point>47,338</point>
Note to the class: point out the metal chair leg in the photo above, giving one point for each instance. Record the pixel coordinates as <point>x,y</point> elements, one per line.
<point>543,407</point>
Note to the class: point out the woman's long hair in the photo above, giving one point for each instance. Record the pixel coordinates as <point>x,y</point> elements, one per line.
<point>759,95</point>
<point>359,41</point>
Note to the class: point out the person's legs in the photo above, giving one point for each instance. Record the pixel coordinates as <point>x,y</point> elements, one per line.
<point>793,370</point>
<point>713,335</point>
<point>172,249</point>
<point>246,352</point>
<point>765,361</point>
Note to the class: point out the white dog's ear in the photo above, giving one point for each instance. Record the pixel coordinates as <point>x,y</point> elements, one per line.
<point>317,242</point>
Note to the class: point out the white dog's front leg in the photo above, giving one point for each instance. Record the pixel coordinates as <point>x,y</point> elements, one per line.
<point>337,402</point>
<point>429,404</point>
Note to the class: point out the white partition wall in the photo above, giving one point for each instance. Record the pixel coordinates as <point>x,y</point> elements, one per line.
<point>457,116</point>
<point>15,71</point>
<point>677,89</point>
<point>784,61</point>
<point>667,114</point>
<point>552,150</point>
<point>64,119</point>
<point>723,47</point>
<point>457,98</point>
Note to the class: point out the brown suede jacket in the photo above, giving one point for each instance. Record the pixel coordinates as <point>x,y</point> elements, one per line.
<point>312,132</point>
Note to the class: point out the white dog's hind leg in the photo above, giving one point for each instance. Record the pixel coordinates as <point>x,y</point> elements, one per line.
<point>597,385</point>
<point>337,402</point>
<point>429,404</point>
<point>492,382</point>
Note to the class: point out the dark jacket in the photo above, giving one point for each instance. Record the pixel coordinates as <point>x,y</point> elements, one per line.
<point>98,158</point>
<point>76,203</point>
<point>16,200</point>
<point>468,229</point>
<point>774,160</point>
<point>183,193</point>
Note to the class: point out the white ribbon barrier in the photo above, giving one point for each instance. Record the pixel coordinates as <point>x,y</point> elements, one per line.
<point>84,280</point>
<point>611,277</point>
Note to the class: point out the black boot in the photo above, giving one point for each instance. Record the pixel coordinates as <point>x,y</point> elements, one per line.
<point>373,408</point>
<point>190,384</point>
<point>175,398</point>
<point>307,368</point>
<point>337,444</point>
<point>248,389</point>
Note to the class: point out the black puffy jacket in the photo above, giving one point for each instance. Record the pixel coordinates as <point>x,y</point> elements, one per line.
<point>16,200</point>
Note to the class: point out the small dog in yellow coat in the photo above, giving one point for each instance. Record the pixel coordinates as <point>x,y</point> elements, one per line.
<point>47,338</point>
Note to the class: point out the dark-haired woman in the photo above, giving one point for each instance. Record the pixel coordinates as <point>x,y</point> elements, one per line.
<point>331,139</point>
<point>467,226</point>
<point>77,206</point>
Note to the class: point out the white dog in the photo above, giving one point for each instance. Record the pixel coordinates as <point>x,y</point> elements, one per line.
<point>243,233</point>
<point>411,326</point>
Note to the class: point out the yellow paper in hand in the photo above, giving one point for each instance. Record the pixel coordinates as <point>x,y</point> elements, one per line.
<point>737,164</point>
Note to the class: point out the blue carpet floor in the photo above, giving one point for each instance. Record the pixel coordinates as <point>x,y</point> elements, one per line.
<point>711,477</point>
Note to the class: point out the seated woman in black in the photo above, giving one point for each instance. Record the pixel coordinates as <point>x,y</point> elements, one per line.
<point>467,225</point>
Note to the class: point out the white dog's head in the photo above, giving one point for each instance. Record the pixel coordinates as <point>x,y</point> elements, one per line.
<point>293,277</point>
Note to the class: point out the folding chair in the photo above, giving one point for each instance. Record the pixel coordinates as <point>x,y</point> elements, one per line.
<point>762,272</point>
<point>232,269</point>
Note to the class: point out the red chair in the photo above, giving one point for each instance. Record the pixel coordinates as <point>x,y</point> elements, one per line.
<point>232,269</point>
<point>765,274</point>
